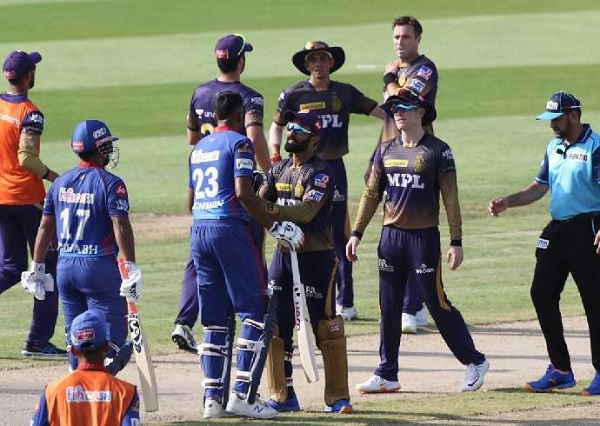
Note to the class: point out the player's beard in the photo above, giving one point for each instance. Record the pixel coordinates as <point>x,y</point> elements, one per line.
<point>293,145</point>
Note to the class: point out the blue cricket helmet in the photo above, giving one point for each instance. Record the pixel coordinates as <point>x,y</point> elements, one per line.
<point>90,135</point>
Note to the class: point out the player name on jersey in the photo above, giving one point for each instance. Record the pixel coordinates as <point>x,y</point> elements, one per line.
<point>68,195</point>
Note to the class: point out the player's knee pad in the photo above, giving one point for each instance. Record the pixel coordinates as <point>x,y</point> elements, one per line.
<point>249,345</point>
<point>214,356</point>
<point>332,342</point>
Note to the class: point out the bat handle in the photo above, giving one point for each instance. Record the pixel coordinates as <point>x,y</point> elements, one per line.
<point>131,307</point>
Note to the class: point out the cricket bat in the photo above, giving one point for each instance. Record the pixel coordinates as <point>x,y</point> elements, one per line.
<point>306,343</point>
<point>143,360</point>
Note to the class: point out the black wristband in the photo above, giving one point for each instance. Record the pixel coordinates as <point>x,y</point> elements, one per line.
<point>47,173</point>
<point>390,77</point>
<point>356,234</point>
<point>456,243</point>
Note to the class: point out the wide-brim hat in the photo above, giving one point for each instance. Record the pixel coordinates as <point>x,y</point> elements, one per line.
<point>407,97</point>
<point>335,52</point>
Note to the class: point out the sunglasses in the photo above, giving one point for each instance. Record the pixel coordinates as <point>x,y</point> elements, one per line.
<point>403,108</point>
<point>243,44</point>
<point>297,129</point>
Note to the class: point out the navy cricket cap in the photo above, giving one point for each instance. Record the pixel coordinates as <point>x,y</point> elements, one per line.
<point>558,104</point>
<point>90,135</point>
<point>308,119</point>
<point>88,331</point>
<point>232,46</point>
<point>19,63</point>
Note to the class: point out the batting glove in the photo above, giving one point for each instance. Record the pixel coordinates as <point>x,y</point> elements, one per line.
<point>287,233</point>
<point>131,287</point>
<point>36,282</point>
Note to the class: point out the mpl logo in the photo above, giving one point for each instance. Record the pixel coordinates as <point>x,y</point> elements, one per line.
<point>404,180</point>
<point>331,120</point>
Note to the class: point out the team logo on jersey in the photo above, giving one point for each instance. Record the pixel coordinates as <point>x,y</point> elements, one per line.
<point>312,105</point>
<point>298,190</point>
<point>122,205</point>
<point>447,155</point>
<point>120,190</point>
<point>420,163</point>
<point>36,118</point>
<point>321,180</point>
<point>257,100</point>
<point>245,148</point>
<point>314,195</point>
<point>395,163</point>
<point>244,163</point>
<point>336,104</point>
<point>418,85</point>
<point>425,72</point>
<point>543,244</point>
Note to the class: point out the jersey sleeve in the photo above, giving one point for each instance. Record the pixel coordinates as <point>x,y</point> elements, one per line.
<point>596,164</point>
<point>33,122</point>
<point>282,106</point>
<point>424,80</point>
<point>542,175</point>
<point>254,110</point>
<point>362,104</point>
<point>132,415</point>
<point>40,415</point>
<point>243,155</point>
<point>49,207</point>
<point>118,199</point>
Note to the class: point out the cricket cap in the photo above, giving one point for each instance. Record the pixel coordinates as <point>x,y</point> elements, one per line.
<point>232,46</point>
<point>88,331</point>
<point>558,104</point>
<point>19,63</point>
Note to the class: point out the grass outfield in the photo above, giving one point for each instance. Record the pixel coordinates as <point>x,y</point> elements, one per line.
<point>135,63</point>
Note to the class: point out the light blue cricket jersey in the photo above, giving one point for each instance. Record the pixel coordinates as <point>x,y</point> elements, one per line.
<point>573,174</point>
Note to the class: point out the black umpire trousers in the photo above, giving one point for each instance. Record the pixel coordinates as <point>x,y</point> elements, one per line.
<point>567,247</point>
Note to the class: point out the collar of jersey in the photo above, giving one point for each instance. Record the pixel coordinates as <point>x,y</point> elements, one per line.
<point>224,129</point>
<point>86,366</point>
<point>90,164</point>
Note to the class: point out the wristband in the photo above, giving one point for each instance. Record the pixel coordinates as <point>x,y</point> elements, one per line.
<point>275,158</point>
<point>356,234</point>
<point>456,243</point>
<point>390,77</point>
<point>47,173</point>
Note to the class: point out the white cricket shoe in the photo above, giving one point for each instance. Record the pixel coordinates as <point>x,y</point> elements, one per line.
<point>421,317</point>
<point>259,410</point>
<point>347,313</point>
<point>377,384</point>
<point>474,375</point>
<point>409,324</point>
<point>213,409</point>
<point>183,336</point>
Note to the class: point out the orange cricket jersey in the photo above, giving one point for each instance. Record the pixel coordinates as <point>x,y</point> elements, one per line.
<point>88,397</point>
<point>17,185</point>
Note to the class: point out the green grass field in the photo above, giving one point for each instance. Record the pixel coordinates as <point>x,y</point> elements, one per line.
<point>134,64</point>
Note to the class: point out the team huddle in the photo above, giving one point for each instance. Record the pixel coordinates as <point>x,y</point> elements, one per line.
<point>295,189</point>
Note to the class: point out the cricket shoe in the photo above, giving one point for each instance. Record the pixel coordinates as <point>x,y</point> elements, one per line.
<point>120,359</point>
<point>348,313</point>
<point>238,405</point>
<point>213,409</point>
<point>409,324</point>
<point>290,404</point>
<point>421,317</point>
<point>474,375</point>
<point>377,384</point>
<point>341,406</point>
<point>49,351</point>
<point>552,379</point>
<point>184,338</point>
<point>594,387</point>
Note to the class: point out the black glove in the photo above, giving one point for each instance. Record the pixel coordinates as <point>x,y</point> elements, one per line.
<point>258,180</point>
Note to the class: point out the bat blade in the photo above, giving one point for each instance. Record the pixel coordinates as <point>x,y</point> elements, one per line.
<point>306,343</point>
<point>141,351</point>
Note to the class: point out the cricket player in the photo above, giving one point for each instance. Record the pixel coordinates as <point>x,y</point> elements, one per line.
<point>230,53</point>
<point>228,263</point>
<point>87,208</point>
<point>89,395</point>
<point>334,102</point>
<point>413,170</point>
<point>300,189</point>
<point>21,196</point>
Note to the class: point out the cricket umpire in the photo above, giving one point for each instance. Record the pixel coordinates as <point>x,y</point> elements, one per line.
<point>570,241</point>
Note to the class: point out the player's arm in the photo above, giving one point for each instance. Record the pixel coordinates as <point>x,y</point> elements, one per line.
<point>124,237</point>
<point>275,136</point>
<point>29,147</point>
<point>530,194</point>
<point>132,415</point>
<point>261,151</point>
<point>193,129</point>
<point>43,238</point>
<point>449,190</point>
<point>245,194</point>
<point>40,415</point>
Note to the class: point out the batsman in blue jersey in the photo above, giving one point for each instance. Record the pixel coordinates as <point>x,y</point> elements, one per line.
<point>88,209</point>
<point>228,263</point>
<point>230,53</point>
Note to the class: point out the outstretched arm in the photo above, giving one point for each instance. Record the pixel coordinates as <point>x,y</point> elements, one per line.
<point>527,195</point>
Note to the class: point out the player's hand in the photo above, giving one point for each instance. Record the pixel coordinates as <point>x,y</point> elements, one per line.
<point>258,180</point>
<point>36,282</point>
<point>351,247</point>
<point>455,257</point>
<point>131,287</point>
<point>497,206</point>
<point>597,242</point>
<point>287,233</point>
<point>392,67</point>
